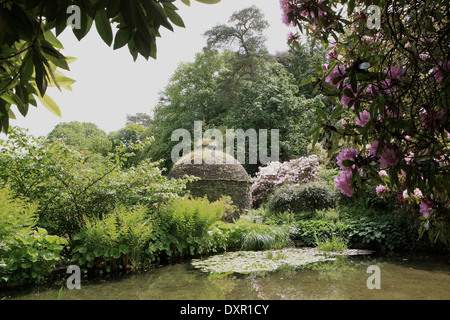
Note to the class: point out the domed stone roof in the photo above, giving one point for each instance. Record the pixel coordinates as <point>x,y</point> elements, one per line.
<point>219,175</point>
<point>215,165</point>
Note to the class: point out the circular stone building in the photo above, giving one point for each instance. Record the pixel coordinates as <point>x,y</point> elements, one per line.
<point>219,175</point>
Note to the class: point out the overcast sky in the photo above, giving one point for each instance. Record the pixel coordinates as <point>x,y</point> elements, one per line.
<point>111,85</point>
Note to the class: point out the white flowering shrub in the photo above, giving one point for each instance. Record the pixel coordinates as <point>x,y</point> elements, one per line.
<point>280,174</point>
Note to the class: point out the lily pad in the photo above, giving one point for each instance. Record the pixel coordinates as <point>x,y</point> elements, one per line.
<point>260,261</point>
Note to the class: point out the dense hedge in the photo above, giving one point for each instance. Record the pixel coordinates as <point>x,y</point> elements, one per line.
<point>305,197</point>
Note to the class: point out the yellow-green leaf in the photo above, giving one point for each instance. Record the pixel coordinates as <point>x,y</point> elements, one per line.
<point>209,1</point>
<point>50,104</point>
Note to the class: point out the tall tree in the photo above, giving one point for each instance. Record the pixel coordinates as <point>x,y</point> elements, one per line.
<point>244,41</point>
<point>303,61</point>
<point>242,34</point>
<point>85,137</point>
<point>271,102</point>
<point>191,95</point>
<point>140,118</point>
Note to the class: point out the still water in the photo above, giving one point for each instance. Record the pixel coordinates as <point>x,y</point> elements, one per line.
<point>420,277</point>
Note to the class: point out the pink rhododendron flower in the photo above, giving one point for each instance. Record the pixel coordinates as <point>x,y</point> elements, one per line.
<point>380,189</point>
<point>346,154</point>
<point>382,173</point>
<point>338,71</point>
<point>345,100</point>
<point>331,54</point>
<point>287,173</point>
<point>425,208</point>
<point>373,149</point>
<point>396,72</point>
<point>344,183</point>
<point>405,194</point>
<point>418,193</point>
<point>437,71</point>
<point>363,118</point>
<point>390,156</point>
<point>432,119</point>
<point>292,37</point>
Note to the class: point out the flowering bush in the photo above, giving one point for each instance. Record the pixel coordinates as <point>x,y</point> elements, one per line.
<point>389,82</point>
<point>288,173</point>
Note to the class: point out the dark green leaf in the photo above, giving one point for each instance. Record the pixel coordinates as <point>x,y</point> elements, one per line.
<point>86,24</point>
<point>174,17</point>
<point>27,68</point>
<point>40,72</point>
<point>103,26</point>
<point>351,7</point>
<point>122,38</point>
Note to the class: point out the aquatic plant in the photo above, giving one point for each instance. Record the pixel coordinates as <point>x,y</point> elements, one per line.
<point>263,261</point>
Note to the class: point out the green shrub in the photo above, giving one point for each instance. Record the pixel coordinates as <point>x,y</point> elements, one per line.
<point>330,214</point>
<point>68,189</point>
<point>326,176</point>
<point>184,225</point>
<point>305,197</point>
<point>30,258</point>
<point>27,255</point>
<point>336,244</point>
<point>116,241</point>
<point>391,233</point>
<point>244,235</point>
<point>17,216</point>
<point>310,230</point>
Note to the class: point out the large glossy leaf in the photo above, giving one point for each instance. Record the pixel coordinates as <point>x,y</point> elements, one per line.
<point>86,24</point>
<point>122,38</point>
<point>50,104</point>
<point>103,26</point>
<point>209,1</point>
<point>39,71</point>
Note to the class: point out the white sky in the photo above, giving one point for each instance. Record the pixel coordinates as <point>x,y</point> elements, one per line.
<point>111,85</point>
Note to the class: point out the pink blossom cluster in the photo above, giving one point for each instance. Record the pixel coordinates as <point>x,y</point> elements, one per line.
<point>287,173</point>
<point>389,155</point>
<point>344,181</point>
<point>338,71</point>
<point>432,119</point>
<point>363,118</point>
<point>308,9</point>
<point>442,69</point>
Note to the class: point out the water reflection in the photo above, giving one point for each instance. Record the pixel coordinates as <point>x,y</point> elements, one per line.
<point>402,277</point>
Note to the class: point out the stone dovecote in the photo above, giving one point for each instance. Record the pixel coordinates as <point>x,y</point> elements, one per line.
<point>219,175</point>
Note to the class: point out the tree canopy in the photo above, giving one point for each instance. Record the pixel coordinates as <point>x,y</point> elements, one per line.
<point>236,84</point>
<point>85,137</point>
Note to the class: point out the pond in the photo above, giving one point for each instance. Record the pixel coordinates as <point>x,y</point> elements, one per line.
<point>420,276</point>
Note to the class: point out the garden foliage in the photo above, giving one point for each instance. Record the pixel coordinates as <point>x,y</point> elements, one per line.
<point>67,190</point>
<point>305,197</point>
<point>27,253</point>
<point>116,241</point>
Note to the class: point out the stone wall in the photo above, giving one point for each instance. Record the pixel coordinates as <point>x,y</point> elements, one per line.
<point>238,191</point>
